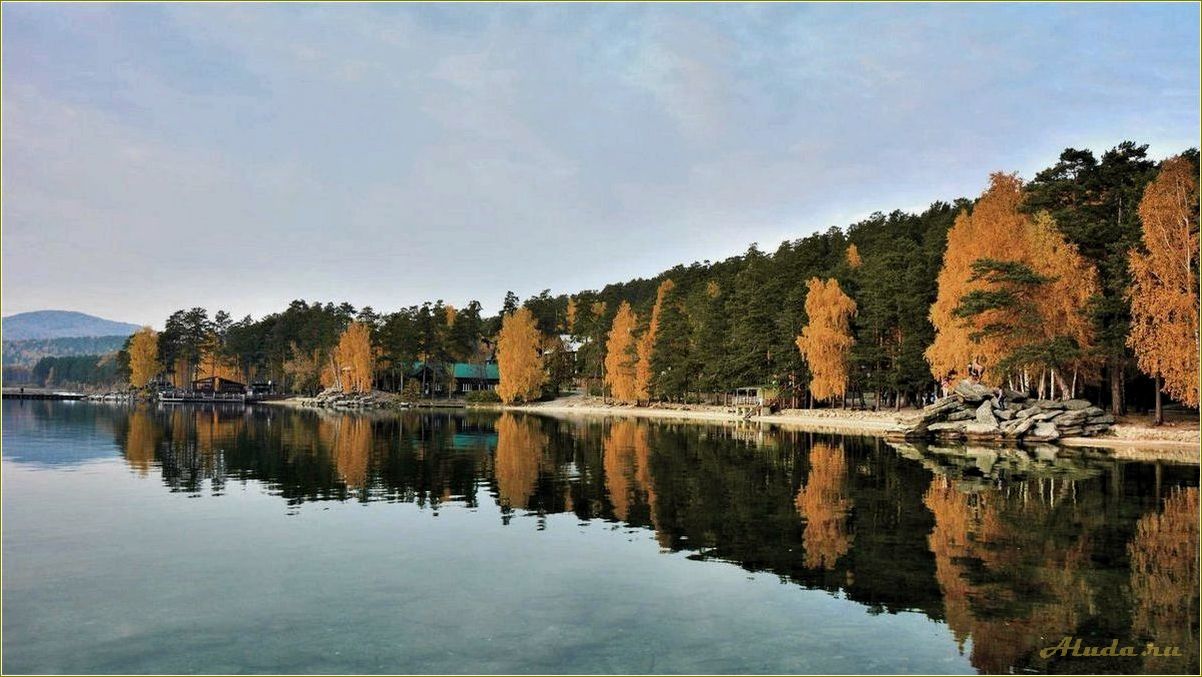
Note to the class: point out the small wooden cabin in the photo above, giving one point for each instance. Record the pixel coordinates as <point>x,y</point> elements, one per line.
<point>218,385</point>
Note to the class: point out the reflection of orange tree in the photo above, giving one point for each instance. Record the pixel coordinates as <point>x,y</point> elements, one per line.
<point>991,553</point>
<point>520,446</point>
<point>823,502</point>
<point>628,466</point>
<point>141,440</point>
<point>349,439</point>
<point>1164,579</point>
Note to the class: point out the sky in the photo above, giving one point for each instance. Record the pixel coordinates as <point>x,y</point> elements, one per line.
<point>231,156</point>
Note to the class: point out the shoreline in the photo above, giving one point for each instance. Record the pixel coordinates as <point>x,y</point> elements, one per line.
<point>1132,442</point>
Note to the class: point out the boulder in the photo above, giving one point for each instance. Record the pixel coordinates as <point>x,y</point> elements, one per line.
<point>985,414</point>
<point>1026,413</point>
<point>1070,417</point>
<point>947,428</point>
<point>941,405</point>
<point>978,429</point>
<point>1107,419</point>
<point>1013,395</point>
<point>1004,414</point>
<point>1049,404</point>
<point>962,415</point>
<point>1017,427</point>
<point>1045,431</point>
<point>1073,405</point>
<point>972,393</point>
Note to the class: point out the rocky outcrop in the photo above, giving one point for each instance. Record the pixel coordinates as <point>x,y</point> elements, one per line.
<point>977,412</point>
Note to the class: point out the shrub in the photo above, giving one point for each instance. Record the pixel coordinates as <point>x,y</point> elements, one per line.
<point>483,397</point>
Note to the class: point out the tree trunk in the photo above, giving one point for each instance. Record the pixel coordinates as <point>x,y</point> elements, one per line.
<point>1116,386</point>
<point>1159,409</point>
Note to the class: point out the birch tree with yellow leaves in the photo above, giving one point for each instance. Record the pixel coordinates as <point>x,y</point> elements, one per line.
<point>352,363</point>
<point>1164,286</point>
<point>518,359</point>
<point>1012,295</point>
<point>143,357</point>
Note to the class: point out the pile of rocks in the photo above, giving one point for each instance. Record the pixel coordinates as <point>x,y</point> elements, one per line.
<point>334,398</point>
<point>977,412</point>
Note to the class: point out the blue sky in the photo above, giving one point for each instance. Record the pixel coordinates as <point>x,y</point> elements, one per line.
<point>239,156</point>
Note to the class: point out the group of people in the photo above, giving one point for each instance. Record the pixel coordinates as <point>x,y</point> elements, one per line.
<point>975,371</point>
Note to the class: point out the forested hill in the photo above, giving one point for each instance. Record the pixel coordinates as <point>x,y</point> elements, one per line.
<point>1056,253</point>
<point>52,324</point>
<point>26,353</point>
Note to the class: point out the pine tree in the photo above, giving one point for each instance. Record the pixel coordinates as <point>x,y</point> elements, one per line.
<point>712,339</point>
<point>673,360</point>
<point>620,356</point>
<point>518,360</point>
<point>1164,289</point>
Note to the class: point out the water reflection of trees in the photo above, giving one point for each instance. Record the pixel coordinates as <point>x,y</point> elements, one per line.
<point>1164,571</point>
<point>823,503</point>
<point>520,448</point>
<point>1012,550</point>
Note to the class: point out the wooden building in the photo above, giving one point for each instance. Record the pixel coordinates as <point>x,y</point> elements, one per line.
<point>218,385</point>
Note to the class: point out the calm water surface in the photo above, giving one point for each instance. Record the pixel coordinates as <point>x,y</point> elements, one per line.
<point>189,539</point>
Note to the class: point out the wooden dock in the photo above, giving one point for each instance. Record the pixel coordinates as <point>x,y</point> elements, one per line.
<point>40,394</point>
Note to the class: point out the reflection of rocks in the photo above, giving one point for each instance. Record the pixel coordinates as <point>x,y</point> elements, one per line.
<point>975,412</point>
<point>975,465</point>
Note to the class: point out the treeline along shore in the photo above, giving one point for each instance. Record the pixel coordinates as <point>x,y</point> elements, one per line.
<point>1079,283</point>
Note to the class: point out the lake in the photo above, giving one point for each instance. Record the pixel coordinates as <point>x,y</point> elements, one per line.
<point>268,539</point>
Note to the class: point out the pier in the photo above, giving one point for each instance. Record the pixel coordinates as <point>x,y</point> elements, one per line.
<point>40,394</point>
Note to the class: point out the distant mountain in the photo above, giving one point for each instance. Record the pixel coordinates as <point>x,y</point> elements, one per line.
<point>50,324</point>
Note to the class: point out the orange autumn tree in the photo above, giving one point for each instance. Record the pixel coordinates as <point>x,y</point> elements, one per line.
<point>352,363</point>
<point>518,360</point>
<point>642,372</point>
<point>826,341</point>
<point>620,356</point>
<point>1164,286</point>
<point>571,315</point>
<point>1012,291</point>
<point>143,357</point>
<point>853,256</point>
